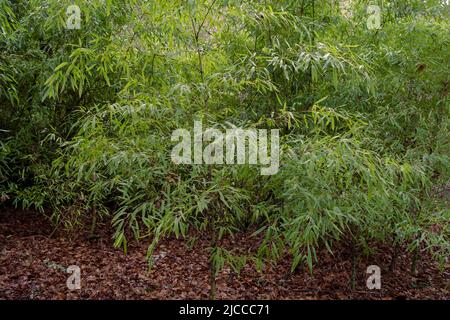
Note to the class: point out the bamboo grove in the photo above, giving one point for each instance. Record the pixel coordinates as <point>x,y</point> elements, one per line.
<point>86,117</point>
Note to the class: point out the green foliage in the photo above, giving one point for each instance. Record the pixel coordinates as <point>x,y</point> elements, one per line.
<point>86,118</point>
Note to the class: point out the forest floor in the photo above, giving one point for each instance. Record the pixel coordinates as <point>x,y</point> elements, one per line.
<point>32,263</point>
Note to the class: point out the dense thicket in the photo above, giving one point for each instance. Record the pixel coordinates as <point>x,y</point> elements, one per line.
<point>86,117</point>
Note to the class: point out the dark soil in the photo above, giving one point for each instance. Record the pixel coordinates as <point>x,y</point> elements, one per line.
<point>33,260</point>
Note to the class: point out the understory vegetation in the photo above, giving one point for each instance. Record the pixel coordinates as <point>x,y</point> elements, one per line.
<point>86,118</point>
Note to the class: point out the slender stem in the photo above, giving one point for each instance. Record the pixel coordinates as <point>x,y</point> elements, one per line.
<point>415,259</point>
<point>353,277</point>
<point>212,276</point>
<point>394,257</point>
<point>196,34</point>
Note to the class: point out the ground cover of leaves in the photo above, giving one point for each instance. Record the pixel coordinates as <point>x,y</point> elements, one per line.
<point>32,263</point>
